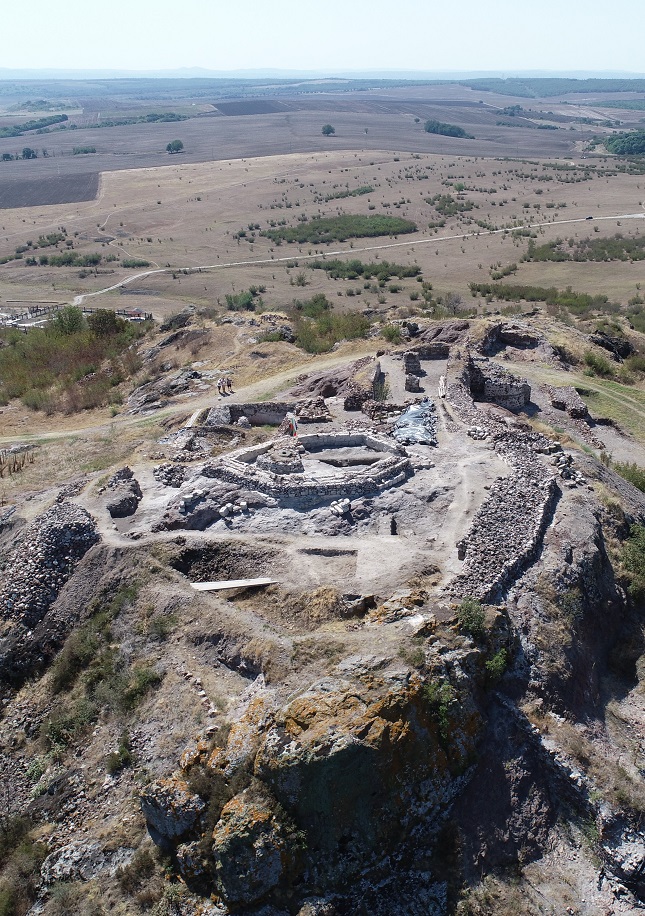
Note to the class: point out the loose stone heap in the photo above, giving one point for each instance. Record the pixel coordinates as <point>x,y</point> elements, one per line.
<point>44,559</point>
<point>170,475</point>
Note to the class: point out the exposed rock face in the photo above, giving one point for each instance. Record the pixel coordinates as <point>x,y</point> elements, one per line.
<point>178,320</point>
<point>154,395</point>
<point>620,347</point>
<point>568,399</point>
<point>370,731</point>
<point>253,848</point>
<point>437,341</point>
<point>512,334</point>
<point>170,809</point>
<point>43,560</point>
<point>338,382</point>
<point>81,862</point>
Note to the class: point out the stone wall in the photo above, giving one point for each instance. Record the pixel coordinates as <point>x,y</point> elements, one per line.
<point>568,399</point>
<point>269,413</point>
<point>489,382</point>
<point>241,469</point>
<point>507,531</point>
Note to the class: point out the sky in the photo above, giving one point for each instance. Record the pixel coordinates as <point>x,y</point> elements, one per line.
<point>325,35</point>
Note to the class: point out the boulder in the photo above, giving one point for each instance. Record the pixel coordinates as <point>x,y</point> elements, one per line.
<point>253,848</point>
<point>171,810</point>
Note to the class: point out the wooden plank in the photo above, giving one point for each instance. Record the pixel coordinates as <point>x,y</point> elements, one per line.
<point>230,583</point>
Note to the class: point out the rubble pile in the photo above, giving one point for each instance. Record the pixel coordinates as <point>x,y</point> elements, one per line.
<point>44,559</point>
<point>170,475</point>
<point>313,410</point>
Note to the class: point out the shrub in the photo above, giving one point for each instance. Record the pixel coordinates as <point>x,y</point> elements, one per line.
<point>121,758</point>
<point>633,473</point>
<point>598,365</point>
<point>142,679</point>
<point>496,666</point>
<point>441,699</point>
<point>633,557</point>
<point>392,333</point>
<point>321,334</point>
<point>141,868</point>
<point>471,617</point>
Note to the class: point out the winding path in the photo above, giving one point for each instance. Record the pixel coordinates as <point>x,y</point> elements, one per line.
<point>78,300</point>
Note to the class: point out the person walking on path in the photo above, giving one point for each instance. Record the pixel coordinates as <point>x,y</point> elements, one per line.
<point>229,384</point>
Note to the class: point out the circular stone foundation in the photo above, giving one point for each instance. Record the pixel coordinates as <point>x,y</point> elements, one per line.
<point>316,467</point>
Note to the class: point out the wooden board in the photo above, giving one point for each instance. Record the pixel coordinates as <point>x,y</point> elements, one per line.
<point>230,583</point>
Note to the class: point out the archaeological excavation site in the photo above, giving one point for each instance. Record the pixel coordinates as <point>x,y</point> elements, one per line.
<point>342,650</point>
<point>322,495</point>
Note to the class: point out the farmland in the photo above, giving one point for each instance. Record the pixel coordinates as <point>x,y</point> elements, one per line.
<point>216,126</point>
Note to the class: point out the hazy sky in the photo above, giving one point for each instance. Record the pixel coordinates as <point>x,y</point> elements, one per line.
<point>325,34</point>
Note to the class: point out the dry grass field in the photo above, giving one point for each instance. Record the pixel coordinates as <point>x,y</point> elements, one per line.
<point>188,215</point>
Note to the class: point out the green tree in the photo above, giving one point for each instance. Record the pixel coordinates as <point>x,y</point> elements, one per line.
<point>69,320</point>
<point>105,322</point>
<point>328,130</point>
<point>29,153</point>
<point>175,146</point>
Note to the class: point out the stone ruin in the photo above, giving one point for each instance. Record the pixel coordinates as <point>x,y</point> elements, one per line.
<point>124,494</point>
<point>489,382</point>
<point>411,363</point>
<point>315,468</point>
<point>568,399</point>
<point>413,384</point>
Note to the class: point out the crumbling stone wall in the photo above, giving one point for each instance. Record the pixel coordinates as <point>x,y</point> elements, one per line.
<point>507,531</point>
<point>568,399</point>
<point>487,381</point>
<point>241,468</point>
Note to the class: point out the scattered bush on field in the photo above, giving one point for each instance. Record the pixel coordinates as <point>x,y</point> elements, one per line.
<point>598,365</point>
<point>340,228</point>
